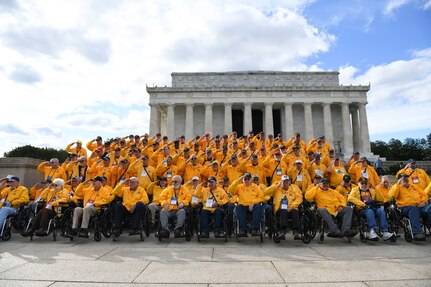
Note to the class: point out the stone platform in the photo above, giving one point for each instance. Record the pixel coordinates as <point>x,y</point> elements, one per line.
<point>174,262</point>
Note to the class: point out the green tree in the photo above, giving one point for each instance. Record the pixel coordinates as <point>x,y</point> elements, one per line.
<point>37,152</point>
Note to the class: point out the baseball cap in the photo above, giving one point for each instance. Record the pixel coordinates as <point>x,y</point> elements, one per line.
<point>285,177</point>
<point>298,161</point>
<point>212,178</point>
<point>195,178</point>
<point>347,178</point>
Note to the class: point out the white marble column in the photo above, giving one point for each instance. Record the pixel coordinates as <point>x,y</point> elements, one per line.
<point>308,118</point>
<point>365,136</point>
<point>288,118</point>
<point>154,120</point>
<point>355,129</point>
<point>347,131</point>
<point>209,119</point>
<point>327,123</point>
<point>269,123</point>
<point>189,122</point>
<point>170,121</point>
<point>248,124</point>
<point>227,118</point>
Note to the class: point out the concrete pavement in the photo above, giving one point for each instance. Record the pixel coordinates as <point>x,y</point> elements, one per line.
<point>129,262</point>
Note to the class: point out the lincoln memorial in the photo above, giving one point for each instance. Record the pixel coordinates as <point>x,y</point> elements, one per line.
<point>311,103</point>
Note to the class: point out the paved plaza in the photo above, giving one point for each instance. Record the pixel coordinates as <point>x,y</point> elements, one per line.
<point>174,262</point>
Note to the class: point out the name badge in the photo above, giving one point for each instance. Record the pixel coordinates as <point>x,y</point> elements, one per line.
<point>284,204</point>
<point>59,209</point>
<point>365,174</point>
<point>169,174</point>
<point>174,200</point>
<point>415,180</point>
<point>278,171</point>
<point>209,202</point>
<point>299,177</point>
<point>122,180</point>
<point>339,171</point>
<point>143,173</point>
<point>195,200</point>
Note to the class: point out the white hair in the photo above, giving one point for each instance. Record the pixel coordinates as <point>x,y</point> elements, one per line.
<point>59,181</point>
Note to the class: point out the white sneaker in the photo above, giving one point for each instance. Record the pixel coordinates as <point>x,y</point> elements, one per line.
<point>372,235</point>
<point>387,235</point>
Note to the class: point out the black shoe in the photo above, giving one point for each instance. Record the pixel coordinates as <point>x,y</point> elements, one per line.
<point>281,236</point>
<point>177,232</point>
<point>296,235</point>
<point>217,234</point>
<point>242,233</point>
<point>350,233</point>
<point>419,237</point>
<point>116,232</point>
<point>83,233</point>
<point>334,234</point>
<point>134,232</point>
<point>27,233</point>
<point>40,232</point>
<point>164,233</point>
<point>255,233</point>
<point>205,234</point>
<point>72,232</point>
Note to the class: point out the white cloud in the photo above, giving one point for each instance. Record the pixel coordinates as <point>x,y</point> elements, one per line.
<point>427,4</point>
<point>400,94</point>
<point>392,5</point>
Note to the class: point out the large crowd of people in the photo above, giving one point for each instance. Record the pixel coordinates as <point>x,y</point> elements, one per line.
<point>257,175</point>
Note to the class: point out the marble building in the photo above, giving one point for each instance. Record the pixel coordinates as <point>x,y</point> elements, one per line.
<point>312,103</point>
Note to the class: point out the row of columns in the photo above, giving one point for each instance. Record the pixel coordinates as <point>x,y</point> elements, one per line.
<point>355,130</point>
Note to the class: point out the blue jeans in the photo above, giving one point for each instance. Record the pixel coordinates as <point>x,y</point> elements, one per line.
<point>204,222</point>
<point>370,214</point>
<point>4,213</point>
<point>242,217</point>
<point>414,213</point>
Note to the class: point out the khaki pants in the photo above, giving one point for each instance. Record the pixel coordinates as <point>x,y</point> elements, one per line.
<point>85,214</point>
<point>154,208</point>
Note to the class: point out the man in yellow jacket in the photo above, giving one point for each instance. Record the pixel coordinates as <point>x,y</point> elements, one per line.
<point>331,203</point>
<point>365,199</point>
<point>12,194</point>
<point>249,198</point>
<point>413,203</point>
<point>362,169</point>
<point>135,200</point>
<point>287,198</point>
<point>417,176</point>
<point>173,200</point>
<point>51,169</point>
<point>213,199</point>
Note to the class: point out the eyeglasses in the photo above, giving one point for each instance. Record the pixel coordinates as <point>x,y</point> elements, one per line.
<point>55,185</point>
<point>175,181</point>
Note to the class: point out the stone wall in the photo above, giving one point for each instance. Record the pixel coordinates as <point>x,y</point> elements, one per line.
<point>23,167</point>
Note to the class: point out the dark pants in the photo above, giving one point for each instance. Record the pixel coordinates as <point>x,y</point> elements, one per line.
<point>242,212</point>
<point>204,222</point>
<point>42,219</point>
<point>120,212</point>
<point>229,219</point>
<point>414,213</point>
<point>283,216</point>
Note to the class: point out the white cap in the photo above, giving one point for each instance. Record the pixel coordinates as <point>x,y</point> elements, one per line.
<point>285,177</point>
<point>195,178</point>
<point>298,161</point>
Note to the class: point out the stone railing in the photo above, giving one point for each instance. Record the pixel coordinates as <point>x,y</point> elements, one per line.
<point>23,167</point>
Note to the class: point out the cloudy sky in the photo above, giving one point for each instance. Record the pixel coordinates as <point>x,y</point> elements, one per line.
<point>73,70</point>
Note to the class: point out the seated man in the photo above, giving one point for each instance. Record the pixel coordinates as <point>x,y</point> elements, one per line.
<point>213,199</point>
<point>287,198</point>
<point>331,203</point>
<point>249,198</point>
<point>155,189</point>
<point>12,194</point>
<point>94,197</point>
<point>412,202</point>
<point>173,199</point>
<point>53,197</point>
<point>365,198</point>
<point>134,203</point>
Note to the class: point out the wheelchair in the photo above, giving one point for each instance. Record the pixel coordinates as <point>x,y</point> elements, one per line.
<point>186,229</point>
<point>402,221</point>
<point>107,223</point>
<point>223,234</point>
<point>262,225</point>
<point>18,221</point>
<point>306,226</point>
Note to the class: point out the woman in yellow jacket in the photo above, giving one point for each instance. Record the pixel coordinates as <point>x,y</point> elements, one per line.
<point>135,200</point>
<point>55,197</point>
<point>365,199</point>
<point>287,198</point>
<point>213,199</point>
<point>249,198</point>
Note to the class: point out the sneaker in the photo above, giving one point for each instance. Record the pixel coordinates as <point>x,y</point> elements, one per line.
<point>419,237</point>
<point>334,234</point>
<point>372,235</point>
<point>83,233</point>
<point>116,232</point>
<point>134,232</point>
<point>255,233</point>
<point>296,235</point>
<point>205,235</point>
<point>217,234</point>
<point>73,232</point>
<point>350,233</point>
<point>282,236</point>
<point>387,235</point>
<point>27,233</point>
<point>177,232</point>
<point>164,233</point>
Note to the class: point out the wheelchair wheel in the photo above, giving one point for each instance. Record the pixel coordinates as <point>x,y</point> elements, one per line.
<point>97,236</point>
<point>147,223</point>
<point>408,237</point>
<point>306,238</point>
<point>54,235</point>
<point>188,235</point>
<point>321,237</point>
<point>362,237</point>
<point>6,234</point>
